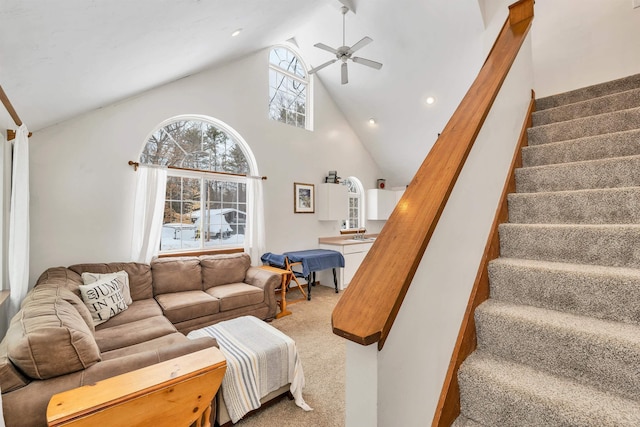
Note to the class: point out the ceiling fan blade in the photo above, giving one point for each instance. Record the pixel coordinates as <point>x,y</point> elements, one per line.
<point>345,74</point>
<point>367,62</point>
<point>362,43</point>
<point>325,47</point>
<point>320,67</point>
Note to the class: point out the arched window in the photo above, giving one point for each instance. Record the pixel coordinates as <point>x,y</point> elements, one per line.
<point>205,204</point>
<point>355,219</point>
<point>289,98</point>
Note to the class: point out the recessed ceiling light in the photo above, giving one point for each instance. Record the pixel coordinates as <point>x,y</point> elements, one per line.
<point>430,100</point>
<point>372,121</point>
<point>236,32</point>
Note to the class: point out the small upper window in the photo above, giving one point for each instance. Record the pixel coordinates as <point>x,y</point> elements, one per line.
<point>288,88</point>
<point>355,219</point>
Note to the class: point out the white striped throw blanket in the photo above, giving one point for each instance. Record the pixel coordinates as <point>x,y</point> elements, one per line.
<point>260,359</point>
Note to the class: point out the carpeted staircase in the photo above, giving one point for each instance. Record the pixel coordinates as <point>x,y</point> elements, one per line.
<point>559,338</point>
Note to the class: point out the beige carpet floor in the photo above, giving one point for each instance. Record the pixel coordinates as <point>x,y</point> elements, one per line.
<point>323,361</point>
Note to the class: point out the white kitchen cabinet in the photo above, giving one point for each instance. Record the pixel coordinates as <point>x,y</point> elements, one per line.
<point>380,204</point>
<point>353,256</point>
<point>331,202</point>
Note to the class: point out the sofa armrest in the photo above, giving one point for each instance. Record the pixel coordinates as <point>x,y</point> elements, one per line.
<point>141,397</point>
<point>263,279</point>
<point>267,281</point>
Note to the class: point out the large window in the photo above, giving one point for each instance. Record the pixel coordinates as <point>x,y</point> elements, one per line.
<point>288,88</point>
<point>205,205</point>
<point>355,219</point>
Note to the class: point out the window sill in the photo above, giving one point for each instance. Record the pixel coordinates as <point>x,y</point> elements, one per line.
<point>4,295</point>
<point>353,231</point>
<point>205,252</point>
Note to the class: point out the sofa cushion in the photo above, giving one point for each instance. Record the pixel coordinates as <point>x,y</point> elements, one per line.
<point>50,338</point>
<point>139,276</point>
<point>103,298</point>
<point>47,291</point>
<point>10,378</point>
<point>235,295</point>
<point>152,344</point>
<point>181,306</point>
<point>141,309</point>
<point>61,276</point>
<point>176,274</point>
<point>122,277</point>
<point>133,333</point>
<point>224,269</point>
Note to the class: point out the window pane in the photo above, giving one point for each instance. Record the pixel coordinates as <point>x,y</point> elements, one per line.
<point>182,200</point>
<point>284,59</point>
<point>195,144</point>
<point>224,218</point>
<point>287,93</point>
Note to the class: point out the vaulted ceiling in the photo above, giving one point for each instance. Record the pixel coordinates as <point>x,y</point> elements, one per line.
<point>62,58</point>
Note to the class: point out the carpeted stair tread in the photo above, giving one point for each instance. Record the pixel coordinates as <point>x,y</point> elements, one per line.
<point>599,206</point>
<point>616,121</point>
<point>590,107</point>
<point>500,393</point>
<point>609,293</point>
<point>559,337</point>
<point>595,352</point>
<point>593,91</point>
<point>618,144</point>
<point>603,244</point>
<point>616,172</point>
<point>463,421</point>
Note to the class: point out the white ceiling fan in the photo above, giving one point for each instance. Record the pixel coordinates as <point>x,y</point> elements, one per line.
<point>344,53</point>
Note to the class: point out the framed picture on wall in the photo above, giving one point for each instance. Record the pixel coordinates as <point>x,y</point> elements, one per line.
<point>303,198</point>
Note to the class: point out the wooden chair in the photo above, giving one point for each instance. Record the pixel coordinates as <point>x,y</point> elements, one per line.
<point>289,266</point>
<point>174,393</point>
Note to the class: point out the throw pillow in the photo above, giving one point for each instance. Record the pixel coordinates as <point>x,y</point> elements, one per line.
<point>104,299</point>
<point>123,281</point>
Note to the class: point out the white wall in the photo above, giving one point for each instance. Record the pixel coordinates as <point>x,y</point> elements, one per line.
<point>580,43</point>
<point>82,187</point>
<point>412,365</point>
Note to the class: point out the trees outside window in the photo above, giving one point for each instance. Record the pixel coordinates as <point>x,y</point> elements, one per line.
<point>288,88</point>
<point>204,207</point>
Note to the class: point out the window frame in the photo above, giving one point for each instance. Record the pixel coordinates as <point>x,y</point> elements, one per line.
<point>209,175</point>
<point>360,196</point>
<point>308,80</point>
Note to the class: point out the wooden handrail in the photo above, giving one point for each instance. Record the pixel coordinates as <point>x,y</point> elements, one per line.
<point>11,134</point>
<point>370,304</point>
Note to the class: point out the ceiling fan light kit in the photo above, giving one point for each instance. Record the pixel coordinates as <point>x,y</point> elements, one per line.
<point>344,53</point>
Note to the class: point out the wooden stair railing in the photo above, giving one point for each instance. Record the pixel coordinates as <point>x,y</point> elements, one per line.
<point>370,304</point>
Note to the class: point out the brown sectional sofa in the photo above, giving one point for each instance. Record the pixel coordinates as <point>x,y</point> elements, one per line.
<point>52,346</point>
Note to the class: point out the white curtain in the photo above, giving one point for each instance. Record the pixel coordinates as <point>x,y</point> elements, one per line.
<point>1,415</point>
<point>254,239</point>
<point>147,213</point>
<point>18,252</point>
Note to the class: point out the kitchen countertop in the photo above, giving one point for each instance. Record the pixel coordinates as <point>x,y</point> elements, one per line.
<point>346,240</point>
